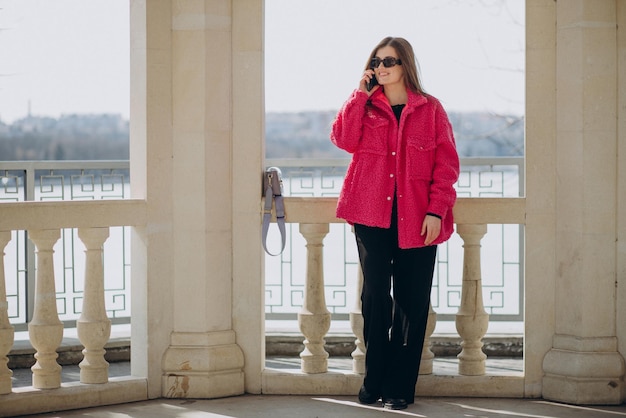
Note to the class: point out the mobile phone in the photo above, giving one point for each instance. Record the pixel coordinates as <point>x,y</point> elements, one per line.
<point>373,82</point>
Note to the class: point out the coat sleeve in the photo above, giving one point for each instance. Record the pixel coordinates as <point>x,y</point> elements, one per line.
<point>347,128</point>
<point>446,169</point>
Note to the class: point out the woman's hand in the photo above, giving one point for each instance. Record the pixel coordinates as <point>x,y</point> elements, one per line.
<point>431,227</point>
<point>367,76</point>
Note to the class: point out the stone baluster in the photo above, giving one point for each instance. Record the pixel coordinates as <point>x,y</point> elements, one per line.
<point>356,323</point>
<point>472,320</point>
<point>426,364</point>
<point>314,318</point>
<point>6,330</point>
<point>45,329</point>
<point>93,326</point>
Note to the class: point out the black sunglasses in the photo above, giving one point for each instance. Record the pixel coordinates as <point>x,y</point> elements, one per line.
<point>387,62</point>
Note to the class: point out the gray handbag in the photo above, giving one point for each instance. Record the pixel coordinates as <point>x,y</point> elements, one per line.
<point>273,186</point>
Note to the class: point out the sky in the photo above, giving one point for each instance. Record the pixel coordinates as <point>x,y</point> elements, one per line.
<point>72,56</point>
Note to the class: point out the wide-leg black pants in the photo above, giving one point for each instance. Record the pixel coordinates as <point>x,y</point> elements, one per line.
<point>394,322</point>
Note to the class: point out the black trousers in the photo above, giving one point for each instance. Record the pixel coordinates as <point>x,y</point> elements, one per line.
<point>394,323</point>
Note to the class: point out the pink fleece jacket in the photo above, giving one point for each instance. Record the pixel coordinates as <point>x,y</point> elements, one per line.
<point>416,160</point>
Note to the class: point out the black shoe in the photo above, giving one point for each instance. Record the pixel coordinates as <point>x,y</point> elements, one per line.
<point>367,398</point>
<point>394,403</point>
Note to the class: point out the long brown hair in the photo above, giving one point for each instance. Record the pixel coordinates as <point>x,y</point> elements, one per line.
<point>405,53</point>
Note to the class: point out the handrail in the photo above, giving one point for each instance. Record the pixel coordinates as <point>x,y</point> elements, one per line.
<point>72,214</point>
<point>473,210</point>
<point>64,164</point>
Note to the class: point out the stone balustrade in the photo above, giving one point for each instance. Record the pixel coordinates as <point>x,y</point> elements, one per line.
<point>45,329</point>
<point>471,320</point>
<point>314,215</point>
<point>43,222</point>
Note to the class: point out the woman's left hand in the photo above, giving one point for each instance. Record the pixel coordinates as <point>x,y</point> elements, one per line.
<point>431,227</point>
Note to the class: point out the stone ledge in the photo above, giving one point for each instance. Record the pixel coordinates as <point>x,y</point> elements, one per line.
<point>73,396</point>
<point>339,345</point>
<point>284,344</point>
<point>294,382</point>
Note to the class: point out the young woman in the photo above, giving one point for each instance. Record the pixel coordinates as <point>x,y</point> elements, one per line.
<point>398,193</point>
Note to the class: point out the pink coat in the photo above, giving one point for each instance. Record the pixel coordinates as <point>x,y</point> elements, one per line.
<point>417,160</point>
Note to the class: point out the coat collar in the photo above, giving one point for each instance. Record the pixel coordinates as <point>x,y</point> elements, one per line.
<point>413,99</point>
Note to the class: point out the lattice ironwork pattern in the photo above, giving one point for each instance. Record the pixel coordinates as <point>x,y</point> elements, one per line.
<point>11,186</point>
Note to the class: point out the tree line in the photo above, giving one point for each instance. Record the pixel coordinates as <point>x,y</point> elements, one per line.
<point>287,135</point>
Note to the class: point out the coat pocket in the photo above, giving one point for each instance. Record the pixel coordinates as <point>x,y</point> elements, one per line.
<point>421,157</point>
<point>375,134</point>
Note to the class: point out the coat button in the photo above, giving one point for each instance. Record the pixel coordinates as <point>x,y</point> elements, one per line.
<point>393,153</point>
<point>388,197</point>
<point>391,175</point>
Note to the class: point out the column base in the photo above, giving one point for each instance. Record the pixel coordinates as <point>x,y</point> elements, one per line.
<point>577,375</point>
<point>580,391</point>
<point>313,363</point>
<point>203,366</point>
<point>94,373</point>
<point>49,378</point>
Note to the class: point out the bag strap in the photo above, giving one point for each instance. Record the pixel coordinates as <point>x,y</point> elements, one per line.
<point>274,192</point>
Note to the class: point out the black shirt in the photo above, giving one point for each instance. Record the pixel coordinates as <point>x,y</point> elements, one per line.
<point>397,110</point>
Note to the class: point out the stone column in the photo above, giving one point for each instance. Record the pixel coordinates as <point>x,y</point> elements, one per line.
<point>472,320</point>
<point>621,182</point>
<point>248,153</point>
<point>203,359</point>
<point>45,329</point>
<point>196,142</point>
<point>541,183</point>
<point>6,329</point>
<point>93,326</point>
<point>584,365</point>
<point>150,150</point>
<point>314,318</point>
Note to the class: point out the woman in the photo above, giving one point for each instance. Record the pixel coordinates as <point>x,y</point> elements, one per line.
<point>398,193</point>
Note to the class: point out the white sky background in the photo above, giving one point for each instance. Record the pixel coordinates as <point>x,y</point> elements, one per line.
<point>471,52</point>
<point>72,56</point>
<point>65,56</point>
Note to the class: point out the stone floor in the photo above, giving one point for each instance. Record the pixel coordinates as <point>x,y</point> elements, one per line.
<point>259,406</point>
<point>263,406</point>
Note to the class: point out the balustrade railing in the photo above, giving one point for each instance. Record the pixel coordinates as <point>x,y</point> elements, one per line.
<point>314,215</point>
<point>22,181</point>
<point>45,222</point>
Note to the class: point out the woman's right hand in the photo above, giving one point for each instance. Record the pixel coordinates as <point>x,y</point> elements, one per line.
<point>367,76</point>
